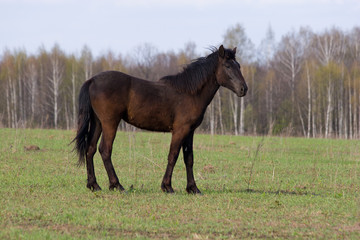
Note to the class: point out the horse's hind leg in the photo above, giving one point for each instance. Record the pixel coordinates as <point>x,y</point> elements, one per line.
<point>96,131</point>
<point>109,132</point>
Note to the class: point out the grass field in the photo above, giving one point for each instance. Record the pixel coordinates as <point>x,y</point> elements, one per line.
<point>253,187</point>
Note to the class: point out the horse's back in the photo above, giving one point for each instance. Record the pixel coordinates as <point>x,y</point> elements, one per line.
<point>110,81</point>
<point>144,104</point>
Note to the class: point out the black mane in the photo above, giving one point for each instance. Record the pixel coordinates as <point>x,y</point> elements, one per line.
<point>194,75</point>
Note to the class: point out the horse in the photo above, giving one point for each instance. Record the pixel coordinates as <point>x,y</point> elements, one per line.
<point>174,103</point>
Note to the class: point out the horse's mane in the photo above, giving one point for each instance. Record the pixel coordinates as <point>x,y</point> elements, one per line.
<point>193,77</point>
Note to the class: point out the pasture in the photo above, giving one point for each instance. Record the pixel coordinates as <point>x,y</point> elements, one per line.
<point>253,187</point>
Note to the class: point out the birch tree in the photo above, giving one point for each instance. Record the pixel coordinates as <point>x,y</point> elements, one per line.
<point>74,90</point>
<point>143,60</point>
<point>11,89</point>
<point>55,79</point>
<point>20,57</point>
<point>290,62</point>
<point>329,49</point>
<point>32,86</point>
<point>86,60</point>
<point>267,50</point>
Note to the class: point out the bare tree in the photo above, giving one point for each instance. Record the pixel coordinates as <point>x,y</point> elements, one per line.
<point>308,81</point>
<point>143,60</point>
<point>20,57</point>
<point>31,85</point>
<point>267,50</point>
<point>86,60</point>
<point>55,79</point>
<point>11,89</point>
<point>330,49</point>
<point>73,92</point>
<point>289,58</point>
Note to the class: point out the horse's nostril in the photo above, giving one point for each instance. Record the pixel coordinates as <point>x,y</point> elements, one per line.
<point>243,89</point>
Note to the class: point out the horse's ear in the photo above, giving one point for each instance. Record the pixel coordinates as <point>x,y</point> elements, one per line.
<point>221,51</point>
<point>234,50</point>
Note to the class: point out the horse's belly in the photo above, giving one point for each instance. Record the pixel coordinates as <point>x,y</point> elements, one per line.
<point>150,121</point>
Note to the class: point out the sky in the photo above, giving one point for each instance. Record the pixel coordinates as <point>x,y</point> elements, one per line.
<point>121,26</point>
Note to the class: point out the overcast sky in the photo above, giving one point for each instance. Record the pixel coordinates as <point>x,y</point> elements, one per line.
<point>123,25</point>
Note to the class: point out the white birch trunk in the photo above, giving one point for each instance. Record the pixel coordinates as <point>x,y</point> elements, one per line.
<point>212,119</point>
<point>301,120</point>
<point>313,125</point>
<point>220,112</point>
<point>56,95</point>
<point>31,86</point>
<point>341,118</point>
<point>55,81</point>
<point>33,92</point>
<point>350,114</point>
<point>340,105</point>
<point>309,102</point>
<point>234,110</point>
<point>271,103</point>
<point>13,104</point>
<point>73,86</point>
<point>21,100</point>
<point>67,118</point>
<point>242,109</point>
<point>8,104</point>
<point>358,114</point>
<point>328,112</point>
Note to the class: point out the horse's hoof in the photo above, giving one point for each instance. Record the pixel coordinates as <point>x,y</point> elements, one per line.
<point>167,189</point>
<point>116,186</point>
<point>94,187</point>
<point>193,190</point>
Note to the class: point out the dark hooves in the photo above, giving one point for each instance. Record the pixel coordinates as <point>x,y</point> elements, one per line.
<point>93,187</point>
<point>193,190</point>
<point>167,189</point>
<point>116,186</point>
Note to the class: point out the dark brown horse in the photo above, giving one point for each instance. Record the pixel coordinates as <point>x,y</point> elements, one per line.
<point>173,104</point>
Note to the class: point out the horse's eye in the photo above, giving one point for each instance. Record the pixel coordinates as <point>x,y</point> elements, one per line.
<point>227,65</point>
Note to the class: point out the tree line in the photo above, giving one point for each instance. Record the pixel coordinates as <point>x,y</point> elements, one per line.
<point>307,84</point>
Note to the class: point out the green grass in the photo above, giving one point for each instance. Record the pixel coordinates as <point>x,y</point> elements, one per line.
<point>253,187</point>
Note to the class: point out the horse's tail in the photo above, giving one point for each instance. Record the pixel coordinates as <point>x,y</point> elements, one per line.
<point>84,134</point>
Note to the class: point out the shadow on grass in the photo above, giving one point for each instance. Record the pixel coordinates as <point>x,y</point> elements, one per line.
<point>284,192</point>
<point>255,191</point>
<point>142,190</point>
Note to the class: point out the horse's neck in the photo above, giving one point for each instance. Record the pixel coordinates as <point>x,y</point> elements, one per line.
<point>208,92</point>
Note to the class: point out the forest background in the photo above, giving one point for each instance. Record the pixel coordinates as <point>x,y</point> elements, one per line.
<point>307,84</point>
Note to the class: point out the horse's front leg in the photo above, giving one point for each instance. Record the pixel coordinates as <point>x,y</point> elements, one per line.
<point>177,139</point>
<point>189,162</point>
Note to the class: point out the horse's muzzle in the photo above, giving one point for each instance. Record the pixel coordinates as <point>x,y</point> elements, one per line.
<point>242,91</point>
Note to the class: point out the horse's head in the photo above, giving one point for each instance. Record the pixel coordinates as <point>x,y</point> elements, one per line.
<point>228,73</point>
